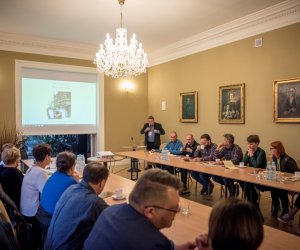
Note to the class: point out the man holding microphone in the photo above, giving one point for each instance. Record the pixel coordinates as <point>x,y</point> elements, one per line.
<point>152,131</point>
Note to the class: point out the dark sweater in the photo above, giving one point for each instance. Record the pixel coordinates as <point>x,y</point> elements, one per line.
<point>11,180</point>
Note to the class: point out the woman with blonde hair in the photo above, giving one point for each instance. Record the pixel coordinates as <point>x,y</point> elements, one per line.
<point>11,177</point>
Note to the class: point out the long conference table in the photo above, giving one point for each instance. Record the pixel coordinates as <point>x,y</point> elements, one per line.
<point>247,174</point>
<point>188,227</point>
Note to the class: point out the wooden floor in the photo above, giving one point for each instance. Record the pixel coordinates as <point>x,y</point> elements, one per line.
<point>265,202</point>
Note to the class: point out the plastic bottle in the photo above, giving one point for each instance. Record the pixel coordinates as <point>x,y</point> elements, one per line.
<point>164,154</point>
<point>273,170</point>
<point>269,171</point>
<point>80,163</point>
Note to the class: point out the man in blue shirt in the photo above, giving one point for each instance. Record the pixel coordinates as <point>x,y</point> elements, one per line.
<point>174,146</point>
<point>78,209</point>
<point>153,205</point>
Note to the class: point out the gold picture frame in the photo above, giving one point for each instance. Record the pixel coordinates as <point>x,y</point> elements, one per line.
<point>188,106</point>
<point>232,104</point>
<point>287,100</point>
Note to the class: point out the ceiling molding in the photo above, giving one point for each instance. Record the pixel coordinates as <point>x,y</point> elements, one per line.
<point>274,17</point>
<point>51,47</point>
<point>268,19</point>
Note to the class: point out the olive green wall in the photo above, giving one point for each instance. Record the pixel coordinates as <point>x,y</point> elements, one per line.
<point>237,62</point>
<point>123,112</point>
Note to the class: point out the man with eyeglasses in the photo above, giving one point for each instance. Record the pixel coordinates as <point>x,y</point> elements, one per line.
<point>153,204</point>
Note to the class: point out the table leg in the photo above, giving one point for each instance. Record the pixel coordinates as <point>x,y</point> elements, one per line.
<point>134,168</point>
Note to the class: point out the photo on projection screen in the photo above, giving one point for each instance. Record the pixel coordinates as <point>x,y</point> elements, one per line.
<point>60,106</point>
<point>54,102</point>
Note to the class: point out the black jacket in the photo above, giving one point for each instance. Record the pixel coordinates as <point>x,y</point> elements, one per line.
<point>287,164</point>
<point>156,136</point>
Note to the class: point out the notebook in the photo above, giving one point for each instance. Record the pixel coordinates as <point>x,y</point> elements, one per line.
<point>229,165</point>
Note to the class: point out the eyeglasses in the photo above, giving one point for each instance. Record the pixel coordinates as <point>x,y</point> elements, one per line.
<point>175,210</point>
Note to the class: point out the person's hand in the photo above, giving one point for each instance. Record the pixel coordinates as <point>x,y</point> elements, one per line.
<point>147,129</point>
<point>189,150</point>
<point>198,147</point>
<point>197,159</point>
<point>156,131</point>
<point>220,146</point>
<point>293,109</point>
<point>75,175</point>
<point>250,152</point>
<point>185,246</point>
<point>202,242</point>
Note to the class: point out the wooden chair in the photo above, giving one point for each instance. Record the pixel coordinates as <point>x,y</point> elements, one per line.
<point>4,217</point>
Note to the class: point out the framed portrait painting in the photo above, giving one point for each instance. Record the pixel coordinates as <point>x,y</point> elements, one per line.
<point>231,103</point>
<point>287,101</point>
<point>188,105</point>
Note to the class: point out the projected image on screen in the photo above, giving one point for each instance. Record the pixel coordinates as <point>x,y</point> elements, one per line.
<point>60,106</point>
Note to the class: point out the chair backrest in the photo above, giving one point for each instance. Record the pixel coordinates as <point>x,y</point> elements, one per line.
<point>8,239</point>
<point>298,163</point>
<point>3,213</point>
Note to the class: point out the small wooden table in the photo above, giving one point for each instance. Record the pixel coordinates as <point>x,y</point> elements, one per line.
<point>105,161</point>
<point>134,163</point>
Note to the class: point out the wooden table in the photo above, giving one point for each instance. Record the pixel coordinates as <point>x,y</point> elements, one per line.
<point>105,161</point>
<point>134,163</point>
<point>240,174</point>
<point>187,227</point>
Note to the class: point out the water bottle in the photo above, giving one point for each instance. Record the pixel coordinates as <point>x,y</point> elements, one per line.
<point>164,154</point>
<point>269,171</point>
<point>80,164</point>
<point>273,170</point>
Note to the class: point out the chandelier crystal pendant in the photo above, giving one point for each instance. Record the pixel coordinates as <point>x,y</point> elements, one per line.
<point>120,59</point>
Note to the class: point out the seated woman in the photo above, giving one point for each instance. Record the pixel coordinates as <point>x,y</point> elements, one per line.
<point>284,163</point>
<point>32,187</point>
<point>233,224</point>
<point>64,177</point>
<point>11,177</point>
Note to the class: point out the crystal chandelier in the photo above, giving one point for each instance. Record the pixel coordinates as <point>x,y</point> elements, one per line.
<point>119,59</point>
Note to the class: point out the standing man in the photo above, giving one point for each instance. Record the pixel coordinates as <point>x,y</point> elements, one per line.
<point>152,131</point>
<point>153,205</point>
<point>204,152</point>
<point>188,150</point>
<point>78,209</point>
<point>230,152</point>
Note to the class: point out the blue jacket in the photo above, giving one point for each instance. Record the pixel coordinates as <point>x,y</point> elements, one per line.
<point>174,147</point>
<point>122,227</point>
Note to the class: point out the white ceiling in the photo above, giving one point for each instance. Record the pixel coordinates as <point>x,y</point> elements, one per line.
<point>157,23</point>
